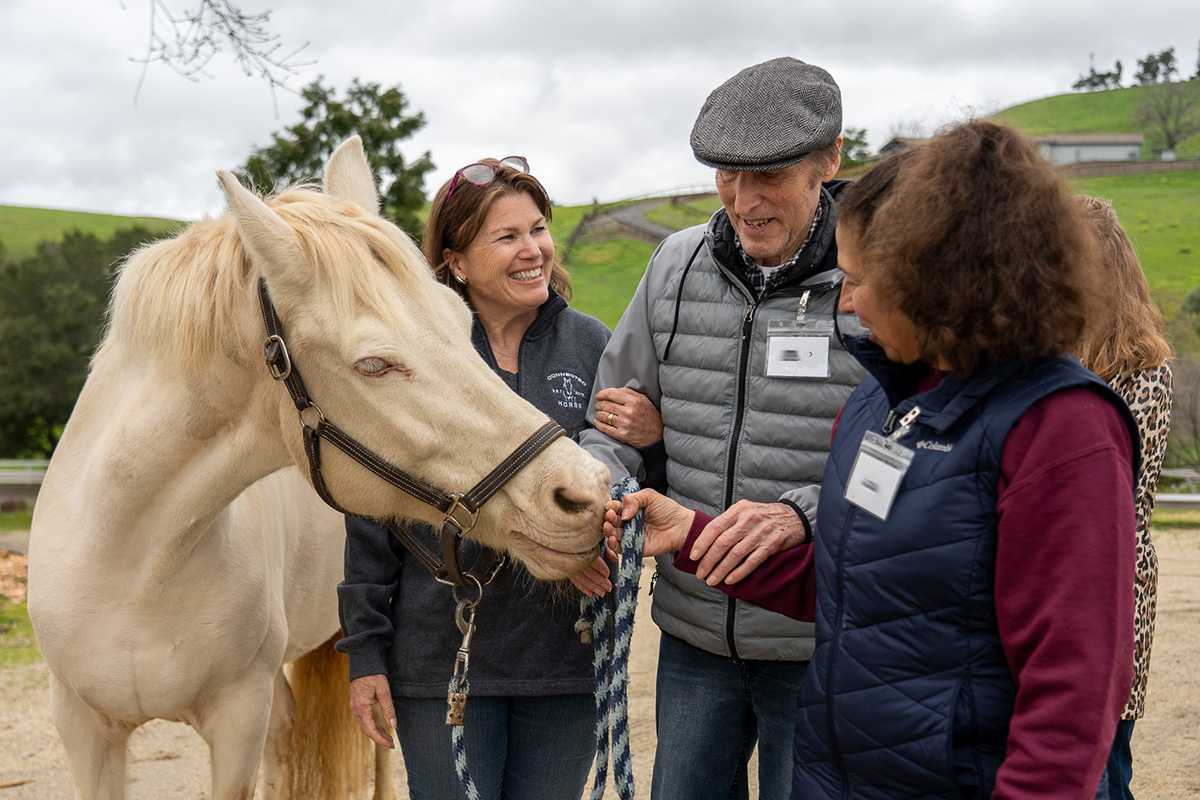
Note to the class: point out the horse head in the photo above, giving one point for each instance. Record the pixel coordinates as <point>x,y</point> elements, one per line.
<point>386,355</point>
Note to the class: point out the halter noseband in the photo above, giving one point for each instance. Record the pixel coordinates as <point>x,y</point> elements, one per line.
<point>459,511</point>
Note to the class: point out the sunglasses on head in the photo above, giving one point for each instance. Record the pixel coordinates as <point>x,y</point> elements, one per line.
<point>482,174</point>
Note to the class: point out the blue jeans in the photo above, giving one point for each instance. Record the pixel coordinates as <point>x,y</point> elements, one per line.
<point>518,748</point>
<point>710,712</point>
<point>1119,769</point>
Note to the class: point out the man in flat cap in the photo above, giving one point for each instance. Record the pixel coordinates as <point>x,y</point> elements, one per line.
<point>730,334</point>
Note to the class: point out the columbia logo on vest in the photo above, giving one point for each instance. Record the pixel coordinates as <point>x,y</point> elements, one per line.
<point>941,447</point>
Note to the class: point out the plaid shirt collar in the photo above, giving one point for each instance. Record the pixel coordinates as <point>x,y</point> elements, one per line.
<point>761,283</point>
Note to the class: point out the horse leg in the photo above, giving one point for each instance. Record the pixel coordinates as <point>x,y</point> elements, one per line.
<point>96,746</point>
<point>278,751</point>
<point>234,723</point>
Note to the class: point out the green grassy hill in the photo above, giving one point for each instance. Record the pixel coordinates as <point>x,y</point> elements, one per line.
<point>22,229</point>
<point>1109,111</point>
<point>1161,214</point>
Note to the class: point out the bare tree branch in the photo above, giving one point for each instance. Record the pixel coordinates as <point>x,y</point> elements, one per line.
<point>187,42</point>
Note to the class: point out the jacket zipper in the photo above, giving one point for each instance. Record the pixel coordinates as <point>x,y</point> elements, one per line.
<point>731,460</point>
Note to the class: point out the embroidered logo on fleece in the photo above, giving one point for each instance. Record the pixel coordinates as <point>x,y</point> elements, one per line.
<point>569,388</point>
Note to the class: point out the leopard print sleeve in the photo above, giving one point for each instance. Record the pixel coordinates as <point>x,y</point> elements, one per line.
<point>1149,394</point>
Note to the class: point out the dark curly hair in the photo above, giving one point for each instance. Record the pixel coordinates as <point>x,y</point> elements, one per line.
<point>974,236</point>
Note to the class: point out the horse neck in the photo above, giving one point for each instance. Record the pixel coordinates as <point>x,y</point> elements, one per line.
<point>168,449</point>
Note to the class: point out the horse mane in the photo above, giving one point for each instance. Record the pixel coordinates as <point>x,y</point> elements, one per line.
<point>186,297</point>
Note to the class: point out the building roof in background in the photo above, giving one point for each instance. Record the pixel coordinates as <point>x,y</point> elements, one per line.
<point>1091,138</point>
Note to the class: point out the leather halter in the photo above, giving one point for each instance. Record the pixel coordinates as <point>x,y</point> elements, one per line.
<point>459,510</point>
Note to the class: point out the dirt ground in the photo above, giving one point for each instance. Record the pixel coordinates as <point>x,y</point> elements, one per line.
<point>168,760</point>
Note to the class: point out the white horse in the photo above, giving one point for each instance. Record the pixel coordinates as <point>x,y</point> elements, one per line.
<point>178,559</point>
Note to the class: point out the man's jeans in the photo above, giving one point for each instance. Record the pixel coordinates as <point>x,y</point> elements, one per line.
<point>710,711</point>
<point>518,748</point>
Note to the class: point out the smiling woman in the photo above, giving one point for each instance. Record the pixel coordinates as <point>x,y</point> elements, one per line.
<point>531,677</point>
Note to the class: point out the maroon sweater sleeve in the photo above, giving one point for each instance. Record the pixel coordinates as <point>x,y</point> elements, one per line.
<point>783,583</point>
<point>1064,592</point>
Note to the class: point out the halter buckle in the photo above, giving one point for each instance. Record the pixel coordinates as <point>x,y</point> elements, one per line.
<point>458,507</point>
<point>275,353</point>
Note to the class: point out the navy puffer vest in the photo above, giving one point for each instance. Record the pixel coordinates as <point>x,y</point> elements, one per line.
<point>909,694</point>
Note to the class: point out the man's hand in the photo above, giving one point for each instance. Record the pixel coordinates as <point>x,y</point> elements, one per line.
<point>365,692</point>
<point>742,537</point>
<point>667,522</point>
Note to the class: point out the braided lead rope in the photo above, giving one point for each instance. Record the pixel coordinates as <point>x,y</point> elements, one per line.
<point>458,747</point>
<point>612,680</point>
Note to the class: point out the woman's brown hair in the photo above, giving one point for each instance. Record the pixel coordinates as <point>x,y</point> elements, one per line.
<point>1130,336</point>
<point>455,220</point>
<point>974,236</point>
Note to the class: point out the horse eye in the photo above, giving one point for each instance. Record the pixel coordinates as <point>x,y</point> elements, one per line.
<point>372,367</point>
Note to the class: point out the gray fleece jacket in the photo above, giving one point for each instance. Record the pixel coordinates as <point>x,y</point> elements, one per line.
<point>398,621</point>
<point>695,340</point>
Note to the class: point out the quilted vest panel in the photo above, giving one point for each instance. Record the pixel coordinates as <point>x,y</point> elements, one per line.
<point>909,694</point>
<point>733,433</point>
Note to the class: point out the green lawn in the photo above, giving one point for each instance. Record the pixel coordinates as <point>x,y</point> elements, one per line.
<point>15,520</point>
<point>684,214</point>
<point>1161,214</point>
<point>17,644</point>
<point>23,229</point>
<point>605,273</point>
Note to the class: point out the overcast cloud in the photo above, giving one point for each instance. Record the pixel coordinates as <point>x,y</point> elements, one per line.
<point>599,96</point>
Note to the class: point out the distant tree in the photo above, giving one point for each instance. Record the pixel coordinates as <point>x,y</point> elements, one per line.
<point>1156,68</point>
<point>854,145</point>
<point>379,116</point>
<point>908,129</point>
<point>1196,77</point>
<point>1148,69</point>
<point>1095,81</point>
<point>1167,65</point>
<point>1170,111</point>
<point>51,315</point>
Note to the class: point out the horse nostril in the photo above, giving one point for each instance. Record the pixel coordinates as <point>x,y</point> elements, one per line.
<point>568,505</point>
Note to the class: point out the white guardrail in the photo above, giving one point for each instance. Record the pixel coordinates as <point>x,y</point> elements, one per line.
<point>22,472</point>
<point>1180,500</point>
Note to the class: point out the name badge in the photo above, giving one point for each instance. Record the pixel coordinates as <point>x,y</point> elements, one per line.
<point>798,349</point>
<point>875,478</point>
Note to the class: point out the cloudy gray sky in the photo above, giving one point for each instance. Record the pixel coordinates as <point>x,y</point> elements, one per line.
<point>600,96</point>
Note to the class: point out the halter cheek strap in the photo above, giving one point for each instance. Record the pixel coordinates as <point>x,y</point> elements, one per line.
<point>459,511</point>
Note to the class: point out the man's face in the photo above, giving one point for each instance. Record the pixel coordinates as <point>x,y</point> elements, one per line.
<point>773,210</point>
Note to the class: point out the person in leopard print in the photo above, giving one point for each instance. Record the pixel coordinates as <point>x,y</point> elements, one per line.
<point>1130,351</point>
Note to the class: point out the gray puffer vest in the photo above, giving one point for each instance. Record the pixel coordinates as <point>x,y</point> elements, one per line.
<point>732,432</point>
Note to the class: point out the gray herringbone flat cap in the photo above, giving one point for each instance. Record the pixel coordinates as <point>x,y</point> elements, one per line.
<point>768,116</point>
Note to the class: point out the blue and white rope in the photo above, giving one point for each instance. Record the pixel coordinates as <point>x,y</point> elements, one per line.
<point>458,747</point>
<point>612,680</point>
<point>612,685</point>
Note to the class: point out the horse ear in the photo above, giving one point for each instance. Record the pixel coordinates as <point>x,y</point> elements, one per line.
<point>348,176</point>
<point>265,235</point>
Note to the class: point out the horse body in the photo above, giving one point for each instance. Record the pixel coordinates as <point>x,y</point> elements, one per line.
<point>178,558</point>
